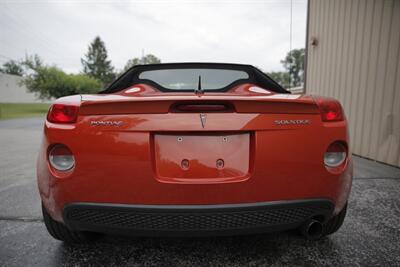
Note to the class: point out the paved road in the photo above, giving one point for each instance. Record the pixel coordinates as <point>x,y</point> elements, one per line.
<point>370,235</point>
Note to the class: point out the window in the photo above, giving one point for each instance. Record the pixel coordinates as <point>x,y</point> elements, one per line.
<point>188,79</point>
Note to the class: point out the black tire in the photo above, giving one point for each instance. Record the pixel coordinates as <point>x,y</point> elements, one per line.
<point>335,222</point>
<point>61,232</point>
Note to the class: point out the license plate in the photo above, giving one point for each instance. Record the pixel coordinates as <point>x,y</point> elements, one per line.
<point>201,158</point>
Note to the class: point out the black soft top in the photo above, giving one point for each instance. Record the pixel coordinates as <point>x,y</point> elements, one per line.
<point>255,76</point>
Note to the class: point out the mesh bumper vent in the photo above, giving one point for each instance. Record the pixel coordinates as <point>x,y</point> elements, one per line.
<point>86,216</point>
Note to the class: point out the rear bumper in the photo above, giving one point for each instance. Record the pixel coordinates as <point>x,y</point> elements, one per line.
<point>194,220</point>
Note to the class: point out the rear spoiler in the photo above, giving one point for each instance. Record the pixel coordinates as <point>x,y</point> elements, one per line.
<point>164,105</point>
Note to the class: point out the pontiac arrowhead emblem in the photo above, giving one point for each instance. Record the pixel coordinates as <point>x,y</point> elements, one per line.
<point>203,118</point>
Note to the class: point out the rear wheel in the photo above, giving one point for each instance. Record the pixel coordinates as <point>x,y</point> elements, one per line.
<point>335,222</point>
<point>61,232</point>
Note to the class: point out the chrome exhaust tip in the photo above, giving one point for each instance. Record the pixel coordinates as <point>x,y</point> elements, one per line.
<point>312,229</point>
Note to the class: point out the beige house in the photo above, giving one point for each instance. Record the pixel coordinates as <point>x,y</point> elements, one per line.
<point>353,54</point>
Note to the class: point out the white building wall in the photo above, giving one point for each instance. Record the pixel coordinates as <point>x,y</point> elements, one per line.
<point>11,90</point>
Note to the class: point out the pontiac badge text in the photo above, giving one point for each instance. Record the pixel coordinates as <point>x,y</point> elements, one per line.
<point>106,123</point>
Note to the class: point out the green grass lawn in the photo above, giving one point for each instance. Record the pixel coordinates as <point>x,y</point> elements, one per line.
<point>22,110</point>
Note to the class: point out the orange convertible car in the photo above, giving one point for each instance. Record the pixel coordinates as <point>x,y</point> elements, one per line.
<point>194,149</point>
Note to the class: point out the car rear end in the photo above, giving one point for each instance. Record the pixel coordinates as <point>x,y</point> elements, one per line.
<point>194,149</point>
<point>145,166</point>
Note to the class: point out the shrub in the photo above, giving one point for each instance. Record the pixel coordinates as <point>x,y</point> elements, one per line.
<point>48,82</point>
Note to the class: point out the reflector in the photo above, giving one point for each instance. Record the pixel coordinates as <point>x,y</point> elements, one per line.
<point>335,155</point>
<point>61,158</point>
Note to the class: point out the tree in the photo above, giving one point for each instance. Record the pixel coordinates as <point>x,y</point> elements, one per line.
<point>32,63</point>
<point>96,64</point>
<point>148,59</point>
<point>294,64</point>
<point>13,67</point>
<point>50,81</point>
<point>280,77</point>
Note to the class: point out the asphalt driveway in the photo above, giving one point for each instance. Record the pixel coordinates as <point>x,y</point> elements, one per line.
<point>370,235</point>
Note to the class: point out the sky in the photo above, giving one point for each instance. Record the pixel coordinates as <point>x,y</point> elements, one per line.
<point>255,32</point>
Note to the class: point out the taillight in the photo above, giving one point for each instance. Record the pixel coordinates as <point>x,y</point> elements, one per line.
<point>63,113</point>
<point>61,158</point>
<point>330,109</point>
<point>335,155</point>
